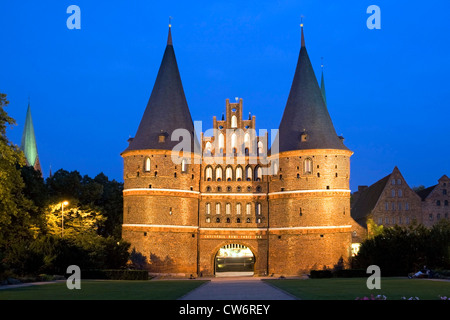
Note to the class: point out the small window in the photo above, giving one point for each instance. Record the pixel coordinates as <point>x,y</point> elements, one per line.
<point>217,208</point>
<point>446,203</point>
<point>249,208</point>
<point>400,193</point>
<point>184,165</point>
<point>208,208</point>
<point>218,220</point>
<point>444,191</point>
<point>228,208</point>
<point>229,174</point>
<point>249,220</point>
<point>238,208</point>
<point>258,209</point>
<point>208,220</point>
<point>393,182</point>
<point>239,174</point>
<point>399,181</point>
<point>307,166</point>
<point>386,206</point>
<point>393,193</point>
<point>407,206</point>
<point>438,202</point>
<point>147,164</point>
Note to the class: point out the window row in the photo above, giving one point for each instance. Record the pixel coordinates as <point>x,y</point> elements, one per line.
<point>247,145</point>
<point>398,192</point>
<point>148,165</point>
<point>238,189</point>
<point>438,216</point>
<point>230,175</point>
<point>394,220</point>
<point>238,220</point>
<point>396,206</point>
<point>238,208</point>
<point>438,202</point>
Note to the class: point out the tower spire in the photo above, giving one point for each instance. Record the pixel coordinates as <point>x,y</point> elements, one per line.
<point>306,123</point>
<point>303,37</point>
<point>169,37</point>
<point>322,85</point>
<point>28,143</point>
<point>167,109</point>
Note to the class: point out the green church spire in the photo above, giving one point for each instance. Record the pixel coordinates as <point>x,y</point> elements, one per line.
<point>28,144</point>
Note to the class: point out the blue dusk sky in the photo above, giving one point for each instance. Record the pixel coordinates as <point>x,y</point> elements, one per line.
<point>387,89</point>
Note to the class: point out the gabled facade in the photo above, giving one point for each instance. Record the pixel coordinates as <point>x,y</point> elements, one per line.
<point>232,204</point>
<point>435,202</point>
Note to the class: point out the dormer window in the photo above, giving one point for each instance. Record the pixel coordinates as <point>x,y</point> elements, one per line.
<point>304,137</point>
<point>162,136</point>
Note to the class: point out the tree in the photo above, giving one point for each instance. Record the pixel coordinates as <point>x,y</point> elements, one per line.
<point>14,206</point>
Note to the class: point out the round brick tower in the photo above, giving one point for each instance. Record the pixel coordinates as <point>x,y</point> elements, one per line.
<point>161,185</point>
<point>309,195</point>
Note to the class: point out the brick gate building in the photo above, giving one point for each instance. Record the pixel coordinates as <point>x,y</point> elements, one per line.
<point>228,201</point>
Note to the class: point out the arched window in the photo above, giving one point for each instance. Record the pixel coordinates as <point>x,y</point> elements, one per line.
<point>238,208</point>
<point>249,208</point>
<point>234,142</point>
<point>239,173</point>
<point>219,174</point>
<point>229,174</point>
<point>247,142</point>
<point>308,165</point>
<point>183,165</point>
<point>258,173</point>
<point>208,148</point>
<point>221,142</point>
<point>445,202</point>
<point>260,147</point>
<point>218,208</point>
<point>228,208</point>
<point>248,173</point>
<point>208,173</point>
<point>233,121</point>
<point>208,208</point>
<point>400,192</point>
<point>275,168</point>
<point>147,163</point>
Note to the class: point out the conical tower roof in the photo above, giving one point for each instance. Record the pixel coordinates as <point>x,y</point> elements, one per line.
<point>306,123</point>
<point>167,108</point>
<point>28,143</point>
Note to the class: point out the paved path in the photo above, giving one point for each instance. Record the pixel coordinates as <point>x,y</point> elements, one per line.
<point>237,288</point>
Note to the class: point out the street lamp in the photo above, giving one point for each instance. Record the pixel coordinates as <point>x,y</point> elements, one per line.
<point>64,203</point>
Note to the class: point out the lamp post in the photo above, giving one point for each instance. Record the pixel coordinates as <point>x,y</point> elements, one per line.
<point>64,203</point>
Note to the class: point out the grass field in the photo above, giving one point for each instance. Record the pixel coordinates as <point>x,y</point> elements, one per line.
<point>351,288</point>
<point>104,290</point>
<point>310,289</point>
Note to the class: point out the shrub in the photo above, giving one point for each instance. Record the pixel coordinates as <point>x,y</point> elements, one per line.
<point>318,274</point>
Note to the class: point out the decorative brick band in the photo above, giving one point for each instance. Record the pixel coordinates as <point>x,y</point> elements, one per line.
<point>161,192</point>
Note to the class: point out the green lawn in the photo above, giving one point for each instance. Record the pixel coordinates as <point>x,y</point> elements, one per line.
<point>105,290</point>
<point>351,288</point>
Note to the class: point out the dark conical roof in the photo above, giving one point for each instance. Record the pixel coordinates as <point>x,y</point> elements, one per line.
<point>306,123</point>
<point>167,108</point>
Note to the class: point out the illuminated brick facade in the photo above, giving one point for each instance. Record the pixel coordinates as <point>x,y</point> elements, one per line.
<point>289,205</point>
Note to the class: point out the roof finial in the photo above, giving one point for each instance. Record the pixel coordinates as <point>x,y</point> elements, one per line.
<point>321,65</point>
<point>301,25</point>
<point>169,37</point>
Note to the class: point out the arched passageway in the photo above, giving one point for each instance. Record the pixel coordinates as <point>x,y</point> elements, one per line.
<point>234,260</point>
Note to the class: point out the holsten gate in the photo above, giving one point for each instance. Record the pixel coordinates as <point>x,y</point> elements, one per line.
<point>229,201</point>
